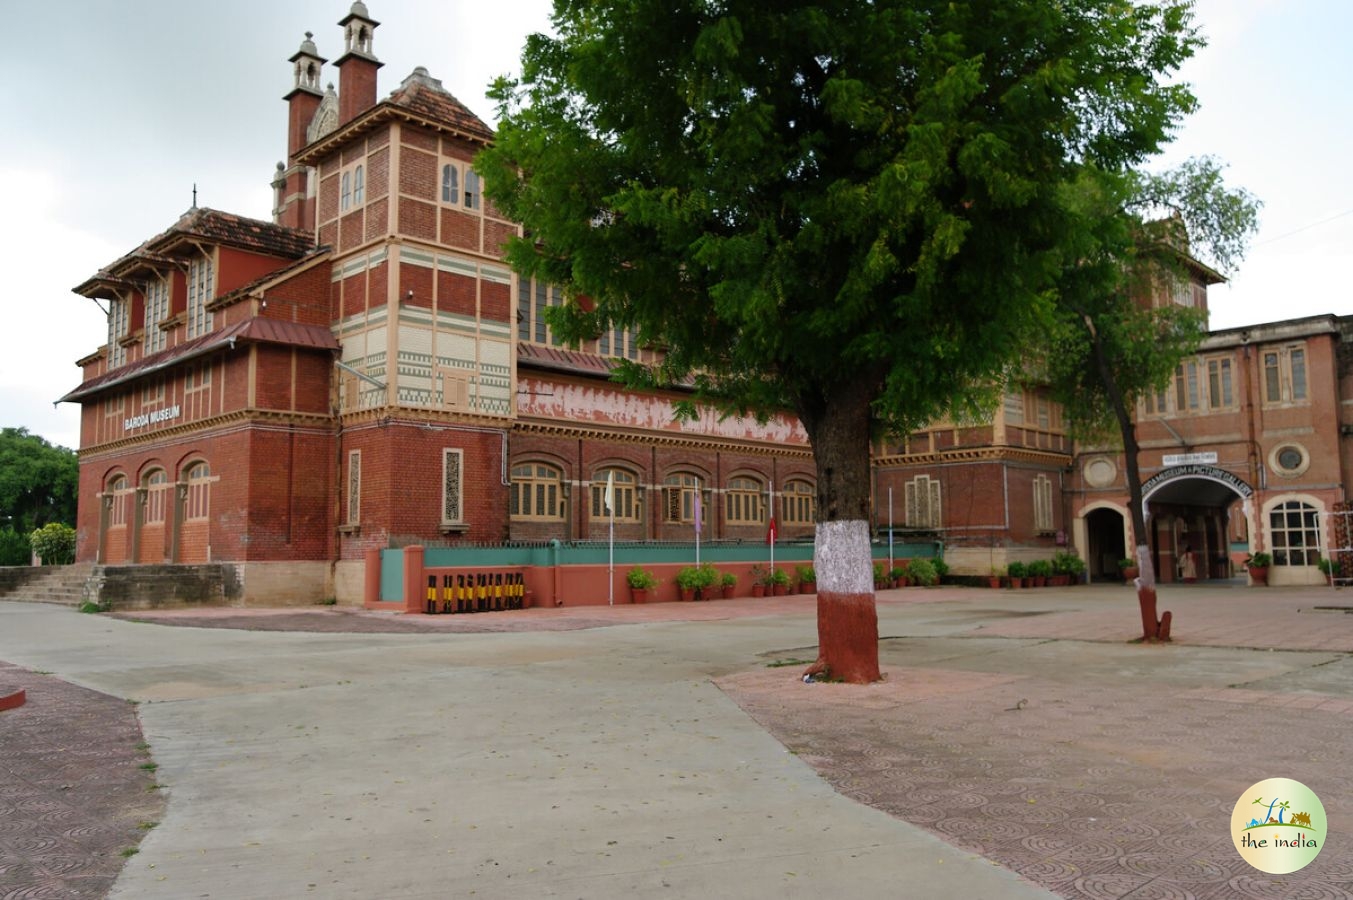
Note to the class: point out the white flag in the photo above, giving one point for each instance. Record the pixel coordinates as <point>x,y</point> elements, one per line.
<point>609,497</point>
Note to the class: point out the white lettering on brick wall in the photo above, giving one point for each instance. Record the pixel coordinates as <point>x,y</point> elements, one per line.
<point>151,418</point>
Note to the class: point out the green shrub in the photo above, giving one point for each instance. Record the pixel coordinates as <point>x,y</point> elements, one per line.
<point>15,550</point>
<point>641,579</point>
<point>1016,569</point>
<point>941,567</point>
<point>55,543</point>
<point>922,571</point>
<point>1040,568</point>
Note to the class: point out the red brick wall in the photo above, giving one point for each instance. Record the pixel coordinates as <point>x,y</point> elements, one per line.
<point>302,298</point>
<point>417,219</point>
<point>456,293</point>
<point>418,175</point>
<point>419,280</point>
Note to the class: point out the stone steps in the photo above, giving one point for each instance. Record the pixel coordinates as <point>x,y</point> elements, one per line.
<point>62,585</point>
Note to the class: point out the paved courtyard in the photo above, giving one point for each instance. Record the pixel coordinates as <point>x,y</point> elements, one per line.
<point>1020,746</point>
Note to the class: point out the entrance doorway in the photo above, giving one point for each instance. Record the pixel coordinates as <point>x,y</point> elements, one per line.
<point>1189,511</point>
<point>1107,540</point>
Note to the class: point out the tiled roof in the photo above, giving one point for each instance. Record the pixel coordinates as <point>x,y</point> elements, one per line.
<point>257,330</point>
<point>560,360</point>
<point>205,225</point>
<point>422,94</point>
<point>419,96</point>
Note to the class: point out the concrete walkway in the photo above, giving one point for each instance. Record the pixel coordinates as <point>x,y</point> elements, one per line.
<point>600,763</point>
<point>1020,747</point>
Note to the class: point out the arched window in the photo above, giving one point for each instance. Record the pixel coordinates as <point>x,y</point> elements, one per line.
<point>471,189</point>
<point>117,509</point>
<point>199,492</point>
<point>624,499</point>
<point>537,492</point>
<point>450,183</point>
<point>345,193</point>
<point>743,502</point>
<point>679,494</point>
<point>358,186</point>
<point>157,493</point>
<point>799,502</point>
<point>1294,531</point>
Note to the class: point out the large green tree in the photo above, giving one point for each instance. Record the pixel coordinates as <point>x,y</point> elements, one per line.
<point>855,211</point>
<point>39,483</point>
<point>1115,332</point>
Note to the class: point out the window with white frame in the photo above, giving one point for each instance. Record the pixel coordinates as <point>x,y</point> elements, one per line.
<point>1014,407</point>
<point>117,329</point>
<point>922,495</point>
<point>201,290</point>
<point>157,310</point>
<point>1285,375</point>
<point>1294,534</point>
<point>354,498</point>
<point>798,500</point>
<point>472,189</point>
<point>533,298</point>
<point>1187,397</point>
<point>537,493</point>
<point>624,495</point>
<point>345,192</point>
<point>359,186</point>
<point>452,510</point>
<point>1043,519</point>
<point>450,183</point>
<point>1220,391</point>
<point>197,376</point>
<point>743,502</point>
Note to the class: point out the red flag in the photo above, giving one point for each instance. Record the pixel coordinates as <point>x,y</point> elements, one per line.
<point>770,532</point>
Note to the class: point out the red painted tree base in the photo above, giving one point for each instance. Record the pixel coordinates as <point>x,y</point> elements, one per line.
<point>12,698</point>
<point>848,638</point>
<point>1153,629</point>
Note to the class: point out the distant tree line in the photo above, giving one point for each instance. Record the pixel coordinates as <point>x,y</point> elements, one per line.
<point>39,486</point>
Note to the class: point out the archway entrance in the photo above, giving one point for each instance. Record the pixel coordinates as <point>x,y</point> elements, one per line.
<point>1106,541</point>
<point>1189,511</point>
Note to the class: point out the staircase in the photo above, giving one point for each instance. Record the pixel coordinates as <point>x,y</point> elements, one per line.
<point>45,584</point>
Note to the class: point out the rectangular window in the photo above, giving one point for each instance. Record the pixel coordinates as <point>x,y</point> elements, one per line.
<point>197,377</point>
<point>354,511</point>
<point>1042,503</point>
<point>153,392</point>
<point>1014,408</point>
<point>1219,389</point>
<point>1285,378</point>
<point>1186,395</point>
<point>117,329</point>
<point>1155,403</point>
<point>157,310</point>
<point>452,512</point>
<point>201,289</point>
<point>923,502</point>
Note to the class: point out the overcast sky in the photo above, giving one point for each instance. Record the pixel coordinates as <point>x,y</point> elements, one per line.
<point>115,110</point>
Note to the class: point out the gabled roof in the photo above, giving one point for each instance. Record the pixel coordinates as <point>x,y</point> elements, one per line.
<point>421,99</point>
<point>263,282</point>
<point>258,330</point>
<point>200,225</point>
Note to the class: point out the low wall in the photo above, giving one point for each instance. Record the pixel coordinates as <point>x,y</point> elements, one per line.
<point>14,577</point>
<point>160,587</point>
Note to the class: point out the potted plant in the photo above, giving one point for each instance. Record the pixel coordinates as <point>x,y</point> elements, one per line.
<point>922,572</point>
<point>1258,564</point>
<point>994,578</point>
<point>641,581</point>
<point>729,582</point>
<point>941,569</point>
<point>1015,571</point>
<point>1039,570</point>
<point>777,580</point>
<point>1068,567</point>
<point>880,577</point>
<point>709,581</point>
<point>1329,567</point>
<point>1129,569</point>
<point>807,576</point>
<point>688,580</point>
<point>758,576</point>
<point>900,575</point>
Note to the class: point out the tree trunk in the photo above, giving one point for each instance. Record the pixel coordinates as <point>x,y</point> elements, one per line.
<point>1152,629</point>
<point>838,427</point>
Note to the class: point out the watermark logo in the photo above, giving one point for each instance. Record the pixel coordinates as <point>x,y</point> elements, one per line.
<point>1278,826</point>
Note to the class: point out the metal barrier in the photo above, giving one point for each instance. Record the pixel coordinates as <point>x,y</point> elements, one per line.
<point>471,592</point>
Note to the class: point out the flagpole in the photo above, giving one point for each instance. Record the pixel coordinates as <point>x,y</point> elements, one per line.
<point>697,523</point>
<point>770,498</point>
<point>609,497</point>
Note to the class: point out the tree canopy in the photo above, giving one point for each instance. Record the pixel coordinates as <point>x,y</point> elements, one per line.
<point>39,483</point>
<point>857,211</point>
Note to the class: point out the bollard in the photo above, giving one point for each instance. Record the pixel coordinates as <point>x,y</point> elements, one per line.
<point>432,594</point>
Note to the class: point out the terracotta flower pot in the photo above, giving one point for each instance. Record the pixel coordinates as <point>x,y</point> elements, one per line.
<point>1259,574</point>
<point>638,595</point>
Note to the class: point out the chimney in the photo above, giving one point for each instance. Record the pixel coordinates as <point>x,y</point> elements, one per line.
<point>357,66</point>
<point>291,186</point>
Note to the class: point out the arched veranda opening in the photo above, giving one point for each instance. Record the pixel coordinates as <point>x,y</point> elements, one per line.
<point>1195,516</point>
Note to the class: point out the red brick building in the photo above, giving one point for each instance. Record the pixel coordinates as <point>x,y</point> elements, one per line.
<point>364,370</point>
